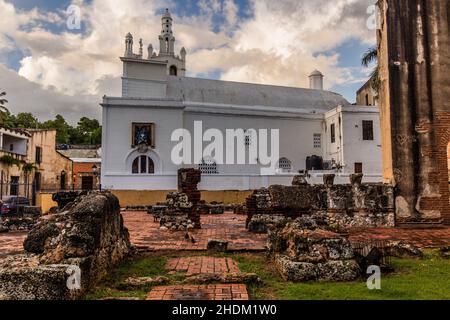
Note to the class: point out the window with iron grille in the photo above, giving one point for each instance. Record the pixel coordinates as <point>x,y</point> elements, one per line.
<point>208,166</point>
<point>367,130</point>
<point>317,140</point>
<point>248,138</point>
<point>285,165</point>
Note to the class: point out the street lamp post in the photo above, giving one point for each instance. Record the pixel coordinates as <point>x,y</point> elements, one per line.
<point>95,171</point>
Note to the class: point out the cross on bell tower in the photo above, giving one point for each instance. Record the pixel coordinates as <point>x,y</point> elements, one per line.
<point>166,39</point>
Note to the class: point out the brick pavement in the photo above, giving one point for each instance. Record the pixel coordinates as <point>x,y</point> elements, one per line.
<point>200,292</point>
<point>11,243</point>
<point>146,235</point>
<point>202,265</point>
<point>422,238</point>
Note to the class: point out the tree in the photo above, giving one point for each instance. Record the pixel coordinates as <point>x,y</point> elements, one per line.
<point>369,57</point>
<point>89,131</point>
<point>4,112</point>
<point>3,101</point>
<point>9,162</point>
<point>26,120</point>
<point>61,126</point>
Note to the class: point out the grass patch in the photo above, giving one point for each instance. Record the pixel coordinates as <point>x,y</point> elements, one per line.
<point>424,279</point>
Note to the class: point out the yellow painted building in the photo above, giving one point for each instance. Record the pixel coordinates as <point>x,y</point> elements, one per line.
<point>18,148</point>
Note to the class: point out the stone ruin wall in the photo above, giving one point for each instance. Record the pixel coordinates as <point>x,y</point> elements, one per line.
<point>339,206</point>
<point>181,210</point>
<point>88,234</point>
<point>414,60</point>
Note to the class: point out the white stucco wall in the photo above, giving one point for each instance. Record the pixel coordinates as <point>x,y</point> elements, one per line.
<point>355,148</point>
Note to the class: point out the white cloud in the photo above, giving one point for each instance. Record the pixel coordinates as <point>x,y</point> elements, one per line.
<point>26,96</point>
<point>280,43</point>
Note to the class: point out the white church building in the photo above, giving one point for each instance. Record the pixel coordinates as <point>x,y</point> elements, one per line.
<point>317,130</point>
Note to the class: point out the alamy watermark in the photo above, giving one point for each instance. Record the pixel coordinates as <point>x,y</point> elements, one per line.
<point>373,22</point>
<point>374,280</point>
<point>73,13</point>
<point>237,146</point>
<point>74,280</point>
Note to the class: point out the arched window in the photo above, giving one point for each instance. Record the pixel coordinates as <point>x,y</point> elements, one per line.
<point>143,165</point>
<point>173,71</point>
<point>285,165</point>
<point>208,166</point>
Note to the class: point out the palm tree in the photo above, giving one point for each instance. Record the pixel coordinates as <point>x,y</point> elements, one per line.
<point>9,161</point>
<point>369,57</point>
<point>3,101</point>
<point>27,169</point>
<point>3,110</point>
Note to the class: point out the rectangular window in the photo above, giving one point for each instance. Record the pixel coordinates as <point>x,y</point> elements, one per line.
<point>333,133</point>
<point>37,181</point>
<point>317,140</point>
<point>367,130</point>
<point>38,156</point>
<point>358,167</point>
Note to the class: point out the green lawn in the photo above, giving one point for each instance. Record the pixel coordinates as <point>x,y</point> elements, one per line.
<point>428,278</point>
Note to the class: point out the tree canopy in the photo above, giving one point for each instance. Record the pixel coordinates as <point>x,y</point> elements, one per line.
<point>87,131</point>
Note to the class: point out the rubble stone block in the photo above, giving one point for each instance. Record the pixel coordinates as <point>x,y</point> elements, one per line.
<point>90,236</point>
<point>217,245</point>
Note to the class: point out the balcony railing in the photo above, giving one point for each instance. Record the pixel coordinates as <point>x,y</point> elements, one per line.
<point>16,155</point>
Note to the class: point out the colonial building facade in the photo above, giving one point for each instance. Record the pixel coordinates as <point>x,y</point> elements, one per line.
<point>318,130</point>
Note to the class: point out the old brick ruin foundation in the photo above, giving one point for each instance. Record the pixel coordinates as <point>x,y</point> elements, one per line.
<point>338,206</point>
<point>67,253</point>
<point>181,210</point>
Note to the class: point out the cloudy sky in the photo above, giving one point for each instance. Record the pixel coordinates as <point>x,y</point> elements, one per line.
<point>47,68</point>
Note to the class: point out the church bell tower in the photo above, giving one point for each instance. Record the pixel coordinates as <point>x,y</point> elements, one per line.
<point>166,39</point>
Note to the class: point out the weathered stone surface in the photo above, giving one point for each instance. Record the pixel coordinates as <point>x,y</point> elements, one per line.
<point>216,209</point>
<point>304,252</point>
<point>247,278</point>
<point>445,252</point>
<point>23,278</point>
<point>217,245</point>
<point>263,222</point>
<point>290,198</point>
<point>402,249</point>
<point>90,236</point>
<point>139,282</point>
<point>183,206</point>
<point>335,271</point>
<point>64,198</point>
<point>328,180</point>
<point>339,206</point>
<point>18,223</point>
<point>299,180</point>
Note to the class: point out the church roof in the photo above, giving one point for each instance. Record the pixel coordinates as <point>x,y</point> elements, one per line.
<point>246,94</point>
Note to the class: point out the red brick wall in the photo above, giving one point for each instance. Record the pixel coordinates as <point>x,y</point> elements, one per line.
<point>442,128</point>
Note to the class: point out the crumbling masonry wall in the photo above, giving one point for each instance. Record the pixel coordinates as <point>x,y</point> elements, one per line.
<point>182,210</point>
<point>414,59</point>
<point>87,235</point>
<point>339,206</point>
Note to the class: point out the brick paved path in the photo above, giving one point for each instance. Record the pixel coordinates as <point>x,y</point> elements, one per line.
<point>11,243</point>
<point>196,292</point>
<point>422,238</point>
<point>202,265</point>
<point>146,235</point>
